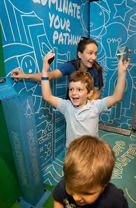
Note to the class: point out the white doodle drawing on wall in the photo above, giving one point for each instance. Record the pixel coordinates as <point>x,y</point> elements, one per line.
<point>47,150</point>
<point>112,42</point>
<point>121,20</point>
<point>84,8</point>
<point>103,14</point>
<point>26,40</point>
<point>29,112</point>
<point>119,7</point>
<point>27,56</point>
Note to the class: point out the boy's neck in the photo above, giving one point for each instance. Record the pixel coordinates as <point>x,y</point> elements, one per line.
<point>81,106</point>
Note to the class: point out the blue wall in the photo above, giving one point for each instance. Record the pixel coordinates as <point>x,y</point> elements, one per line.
<point>29,30</point>
<point>114,26</point>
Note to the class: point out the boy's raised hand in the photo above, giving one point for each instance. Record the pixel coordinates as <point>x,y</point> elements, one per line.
<point>122,67</point>
<point>120,85</point>
<point>47,60</point>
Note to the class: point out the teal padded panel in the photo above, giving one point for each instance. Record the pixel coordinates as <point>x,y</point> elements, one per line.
<point>19,115</point>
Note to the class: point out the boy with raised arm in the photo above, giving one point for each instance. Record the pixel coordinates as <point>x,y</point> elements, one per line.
<point>82,115</point>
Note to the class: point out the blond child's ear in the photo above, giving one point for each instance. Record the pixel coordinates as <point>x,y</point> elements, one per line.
<point>105,185</point>
<point>90,94</point>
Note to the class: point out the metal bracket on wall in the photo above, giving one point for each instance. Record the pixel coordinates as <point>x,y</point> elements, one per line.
<point>113,129</point>
<point>2,80</point>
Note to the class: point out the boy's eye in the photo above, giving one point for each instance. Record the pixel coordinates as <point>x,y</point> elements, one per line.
<point>79,90</point>
<point>87,194</point>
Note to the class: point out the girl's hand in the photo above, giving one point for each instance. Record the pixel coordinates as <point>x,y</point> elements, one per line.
<point>17,75</point>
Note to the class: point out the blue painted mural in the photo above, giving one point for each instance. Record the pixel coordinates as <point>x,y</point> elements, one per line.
<point>29,30</point>
<point>114,26</point>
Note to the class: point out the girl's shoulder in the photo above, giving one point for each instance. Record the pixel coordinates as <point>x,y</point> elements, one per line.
<point>66,68</point>
<point>73,62</point>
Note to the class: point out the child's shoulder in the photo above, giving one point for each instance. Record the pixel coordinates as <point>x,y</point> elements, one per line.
<point>63,103</point>
<point>111,193</point>
<point>112,188</point>
<point>98,101</point>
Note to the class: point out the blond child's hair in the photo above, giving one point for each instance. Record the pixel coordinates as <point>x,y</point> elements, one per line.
<point>89,162</point>
<point>83,77</point>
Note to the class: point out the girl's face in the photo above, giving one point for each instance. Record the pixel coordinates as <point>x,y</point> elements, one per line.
<point>88,56</point>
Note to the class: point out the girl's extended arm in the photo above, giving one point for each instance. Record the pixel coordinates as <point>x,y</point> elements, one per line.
<point>17,74</point>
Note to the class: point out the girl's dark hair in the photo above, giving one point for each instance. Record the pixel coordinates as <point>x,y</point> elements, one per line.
<point>80,48</point>
<point>99,69</point>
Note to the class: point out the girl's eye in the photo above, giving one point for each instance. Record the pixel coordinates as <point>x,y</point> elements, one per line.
<point>79,90</point>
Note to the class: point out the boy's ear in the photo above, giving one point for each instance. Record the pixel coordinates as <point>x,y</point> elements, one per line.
<point>104,187</point>
<point>90,94</point>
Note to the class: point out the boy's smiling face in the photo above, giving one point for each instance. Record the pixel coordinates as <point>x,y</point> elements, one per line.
<point>88,196</point>
<point>78,94</point>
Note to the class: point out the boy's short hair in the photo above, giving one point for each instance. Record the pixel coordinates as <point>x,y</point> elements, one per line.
<point>83,77</point>
<point>89,162</point>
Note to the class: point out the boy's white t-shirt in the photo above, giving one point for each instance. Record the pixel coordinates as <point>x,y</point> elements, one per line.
<point>82,121</point>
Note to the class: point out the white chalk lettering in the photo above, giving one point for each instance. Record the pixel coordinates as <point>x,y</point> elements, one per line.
<point>19,158</point>
<point>119,147</point>
<point>51,17</point>
<point>65,6</point>
<point>44,2</point>
<point>59,22</point>
<point>126,158</point>
<point>65,38</point>
<point>33,156</point>
<point>70,8</point>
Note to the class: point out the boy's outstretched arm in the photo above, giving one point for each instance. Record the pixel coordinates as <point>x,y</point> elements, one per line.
<point>46,90</point>
<point>120,86</point>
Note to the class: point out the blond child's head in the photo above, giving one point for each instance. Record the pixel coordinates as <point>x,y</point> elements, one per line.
<point>88,167</point>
